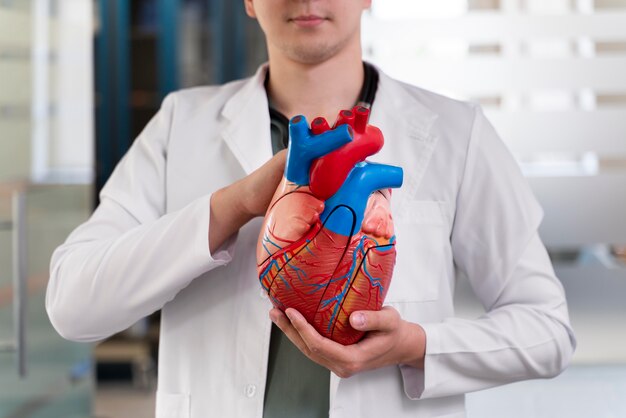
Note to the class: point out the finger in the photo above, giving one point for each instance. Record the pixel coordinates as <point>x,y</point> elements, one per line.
<point>282,322</point>
<point>385,320</point>
<point>316,343</point>
<point>275,315</point>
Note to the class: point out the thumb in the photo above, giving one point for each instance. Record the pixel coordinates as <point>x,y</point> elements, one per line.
<point>387,319</point>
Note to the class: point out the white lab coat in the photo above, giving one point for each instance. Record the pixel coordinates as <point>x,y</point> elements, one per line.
<point>464,207</point>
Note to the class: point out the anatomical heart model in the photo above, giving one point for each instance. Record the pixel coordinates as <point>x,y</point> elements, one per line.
<point>327,247</point>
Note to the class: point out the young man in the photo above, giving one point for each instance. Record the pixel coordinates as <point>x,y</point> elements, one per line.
<point>178,222</point>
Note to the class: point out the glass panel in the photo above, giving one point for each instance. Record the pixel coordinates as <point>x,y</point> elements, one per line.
<point>45,141</point>
<point>57,370</point>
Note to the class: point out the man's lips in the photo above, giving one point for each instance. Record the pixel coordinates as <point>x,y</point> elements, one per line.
<point>308,21</point>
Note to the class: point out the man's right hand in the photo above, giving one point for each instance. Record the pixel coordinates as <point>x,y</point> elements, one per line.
<point>259,187</point>
<point>233,206</point>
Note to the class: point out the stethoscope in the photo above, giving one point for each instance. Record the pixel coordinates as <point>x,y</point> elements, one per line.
<point>279,124</point>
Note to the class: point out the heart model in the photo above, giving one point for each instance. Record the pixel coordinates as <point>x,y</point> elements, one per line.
<point>327,246</point>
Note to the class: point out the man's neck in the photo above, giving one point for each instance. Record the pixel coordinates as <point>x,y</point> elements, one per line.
<point>315,90</point>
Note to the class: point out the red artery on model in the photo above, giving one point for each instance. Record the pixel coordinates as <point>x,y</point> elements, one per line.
<point>329,172</point>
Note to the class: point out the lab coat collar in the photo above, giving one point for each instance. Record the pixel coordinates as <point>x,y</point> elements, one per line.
<point>396,111</point>
<point>395,106</point>
<point>246,123</point>
<point>407,125</point>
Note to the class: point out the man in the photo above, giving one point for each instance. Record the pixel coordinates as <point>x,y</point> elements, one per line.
<point>202,167</point>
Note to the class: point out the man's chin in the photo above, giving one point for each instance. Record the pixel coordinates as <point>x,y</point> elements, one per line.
<point>312,54</point>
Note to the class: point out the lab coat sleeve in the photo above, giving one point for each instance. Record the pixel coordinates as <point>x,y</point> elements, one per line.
<point>130,258</point>
<point>525,332</point>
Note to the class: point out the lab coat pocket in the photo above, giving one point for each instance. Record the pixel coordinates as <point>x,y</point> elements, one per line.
<point>420,228</point>
<point>172,405</point>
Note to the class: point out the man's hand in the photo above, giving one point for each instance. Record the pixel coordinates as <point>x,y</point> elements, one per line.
<point>257,189</point>
<point>389,341</point>
<point>235,205</point>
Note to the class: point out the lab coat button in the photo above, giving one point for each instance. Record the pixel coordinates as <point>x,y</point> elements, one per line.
<point>250,391</point>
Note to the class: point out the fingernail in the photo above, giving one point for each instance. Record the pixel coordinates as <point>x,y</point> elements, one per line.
<point>359,320</point>
<point>289,315</point>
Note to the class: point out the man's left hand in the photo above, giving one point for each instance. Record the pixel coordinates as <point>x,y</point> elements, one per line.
<point>389,341</point>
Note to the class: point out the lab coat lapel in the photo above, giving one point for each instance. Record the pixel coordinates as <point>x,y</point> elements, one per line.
<point>406,124</point>
<point>246,123</point>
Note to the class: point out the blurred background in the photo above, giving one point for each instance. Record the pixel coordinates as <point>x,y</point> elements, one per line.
<point>80,78</point>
